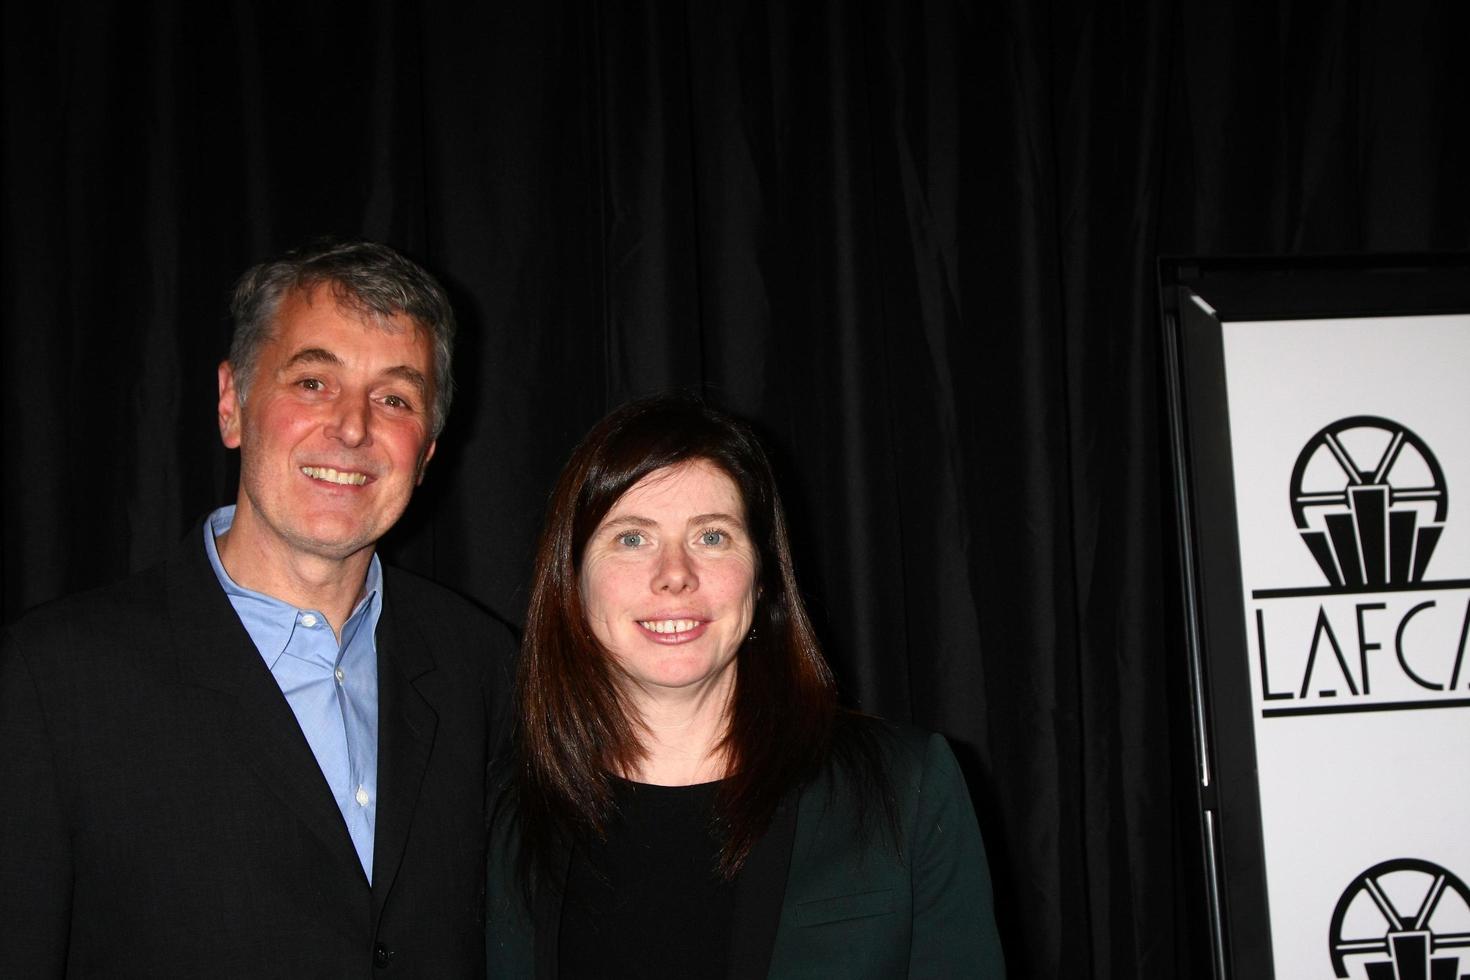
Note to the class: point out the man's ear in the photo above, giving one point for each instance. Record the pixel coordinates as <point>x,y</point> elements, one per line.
<point>424,462</point>
<point>229,407</point>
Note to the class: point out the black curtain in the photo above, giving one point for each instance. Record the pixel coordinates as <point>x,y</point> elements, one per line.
<point>914,242</point>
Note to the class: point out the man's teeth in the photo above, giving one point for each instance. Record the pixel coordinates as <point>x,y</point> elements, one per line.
<point>333,476</point>
<point>669,625</point>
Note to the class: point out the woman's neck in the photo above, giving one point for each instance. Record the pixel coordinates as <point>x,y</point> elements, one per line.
<point>683,733</point>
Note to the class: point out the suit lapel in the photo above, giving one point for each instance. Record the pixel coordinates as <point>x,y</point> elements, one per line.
<point>406,727</point>
<point>760,891</point>
<point>214,651</point>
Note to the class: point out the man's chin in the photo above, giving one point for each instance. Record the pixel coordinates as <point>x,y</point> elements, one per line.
<point>334,543</point>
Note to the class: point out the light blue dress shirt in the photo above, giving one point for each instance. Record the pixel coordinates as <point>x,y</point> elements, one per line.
<point>332,688</point>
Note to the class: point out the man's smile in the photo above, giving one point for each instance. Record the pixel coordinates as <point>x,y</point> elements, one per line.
<point>329,475</point>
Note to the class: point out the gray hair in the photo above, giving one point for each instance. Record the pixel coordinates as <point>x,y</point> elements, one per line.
<point>370,279</point>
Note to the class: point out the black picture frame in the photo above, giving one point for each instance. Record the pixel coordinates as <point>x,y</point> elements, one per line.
<point>1200,297</point>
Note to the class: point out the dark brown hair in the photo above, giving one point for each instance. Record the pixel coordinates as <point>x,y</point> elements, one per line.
<point>575,725</point>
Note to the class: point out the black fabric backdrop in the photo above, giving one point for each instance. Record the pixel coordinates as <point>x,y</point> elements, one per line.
<point>913,241</point>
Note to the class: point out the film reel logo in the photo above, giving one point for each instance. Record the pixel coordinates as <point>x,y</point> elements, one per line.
<point>1396,916</point>
<point>1369,500</point>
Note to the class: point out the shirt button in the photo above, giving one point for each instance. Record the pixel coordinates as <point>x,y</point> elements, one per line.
<point>308,620</point>
<point>362,797</point>
<point>340,675</point>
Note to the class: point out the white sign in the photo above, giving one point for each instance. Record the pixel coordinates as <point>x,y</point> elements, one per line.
<point>1351,446</point>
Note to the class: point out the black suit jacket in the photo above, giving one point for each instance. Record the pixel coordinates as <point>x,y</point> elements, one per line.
<point>162,815</point>
<point>824,893</point>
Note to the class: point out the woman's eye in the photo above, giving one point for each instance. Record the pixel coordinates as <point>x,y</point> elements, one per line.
<point>630,539</point>
<point>393,401</point>
<point>712,538</point>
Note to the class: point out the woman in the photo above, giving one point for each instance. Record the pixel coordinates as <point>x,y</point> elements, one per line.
<point>687,800</point>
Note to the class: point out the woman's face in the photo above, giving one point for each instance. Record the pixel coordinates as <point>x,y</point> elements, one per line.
<point>669,580</point>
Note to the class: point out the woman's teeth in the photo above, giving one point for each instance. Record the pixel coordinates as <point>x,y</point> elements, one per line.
<point>668,625</point>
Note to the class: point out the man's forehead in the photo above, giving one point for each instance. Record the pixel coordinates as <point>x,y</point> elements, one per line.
<point>334,298</point>
<point>304,317</point>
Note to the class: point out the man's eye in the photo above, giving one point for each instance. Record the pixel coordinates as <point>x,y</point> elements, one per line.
<point>630,539</point>
<point>394,401</point>
<point>312,384</point>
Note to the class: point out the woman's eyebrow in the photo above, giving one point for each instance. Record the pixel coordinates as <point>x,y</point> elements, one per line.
<point>629,519</point>
<point>716,518</point>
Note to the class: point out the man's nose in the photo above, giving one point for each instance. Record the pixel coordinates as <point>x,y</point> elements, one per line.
<point>351,423</point>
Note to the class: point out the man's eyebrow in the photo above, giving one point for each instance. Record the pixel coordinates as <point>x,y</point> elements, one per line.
<point>320,355</point>
<point>312,355</point>
<point>411,375</point>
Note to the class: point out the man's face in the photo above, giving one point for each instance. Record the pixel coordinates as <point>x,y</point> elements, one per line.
<point>334,431</point>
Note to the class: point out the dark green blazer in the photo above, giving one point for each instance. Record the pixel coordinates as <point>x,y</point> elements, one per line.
<point>820,896</point>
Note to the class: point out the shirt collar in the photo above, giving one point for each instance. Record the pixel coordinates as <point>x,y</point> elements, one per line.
<point>268,620</point>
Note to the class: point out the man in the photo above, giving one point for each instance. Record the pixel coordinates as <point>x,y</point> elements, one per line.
<point>266,757</point>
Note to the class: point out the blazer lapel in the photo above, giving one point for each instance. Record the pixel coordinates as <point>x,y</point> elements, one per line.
<point>214,651</point>
<point>760,892</point>
<point>546,911</point>
<point>406,726</point>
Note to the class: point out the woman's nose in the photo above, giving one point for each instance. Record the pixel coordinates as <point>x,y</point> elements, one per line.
<point>675,572</point>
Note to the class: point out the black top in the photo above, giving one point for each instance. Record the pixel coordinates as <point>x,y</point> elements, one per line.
<point>648,902</point>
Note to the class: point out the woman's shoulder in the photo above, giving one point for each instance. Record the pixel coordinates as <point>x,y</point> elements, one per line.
<point>880,765</point>
<point>900,749</point>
